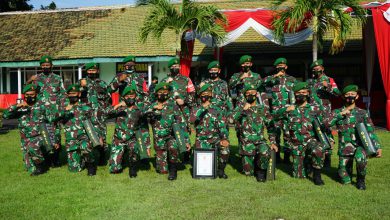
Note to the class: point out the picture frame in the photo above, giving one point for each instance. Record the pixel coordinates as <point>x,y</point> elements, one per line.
<point>204,164</point>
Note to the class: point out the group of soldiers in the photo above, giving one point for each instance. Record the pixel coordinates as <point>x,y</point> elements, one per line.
<point>277,107</point>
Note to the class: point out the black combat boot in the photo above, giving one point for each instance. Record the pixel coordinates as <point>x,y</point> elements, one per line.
<point>317,177</point>
<point>172,171</point>
<point>260,175</point>
<point>327,160</point>
<point>102,156</point>
<point>39,169</point>
<point>221,171</point>
<point>349,167</point>
<point>133,169</point>
<point>91,167</point>
<point>277,156</point>
<point>361,182</point>
<point>286,158</point>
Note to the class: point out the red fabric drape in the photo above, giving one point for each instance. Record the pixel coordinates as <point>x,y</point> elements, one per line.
<point>186,59</point>
<point>6,100</point>
<point>382,37</point>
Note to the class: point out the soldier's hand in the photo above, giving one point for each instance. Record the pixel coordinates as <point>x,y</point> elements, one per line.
<point>122,103</point>
<point>83,82</point>
<point>324,83</point>
<point>56,146</point>
<point>148,152</point>
<point>122,77</point>
<point>32,78</point>
<point>158,106</point>
<point>180,101</point>
<point>379,153</point>
<point>290,108</point>
<point>170,79</point>
<point>101,141</point>
<point>201,84</point>
<point>224,143</point>
<point>22,104</point>
<point>247,106</point>
<point>69,107</point>
<point>243,76</point>
<point>279,74</point>
<point>206,104</point>
<point>345,112</point>
<point>188,146</point>
<point>274,147</point>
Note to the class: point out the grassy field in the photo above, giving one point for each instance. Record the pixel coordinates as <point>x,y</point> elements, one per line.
<point>63,195</point>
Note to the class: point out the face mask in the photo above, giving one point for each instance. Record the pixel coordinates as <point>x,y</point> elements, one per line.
<point>130,101</point>
<point>278,69</point>
<point>250,98</point>
<point>205,98</point>
<point>213,75</point>
<point>316,73</point>
<point>30,100</point>
<point>174,71</point>
<point>73,99</point>
<point>350,99</point>
<point>162,97</point>
<point>46,70</point>
<point>246,68</point>
<point>129,71</point>
<point>301,98</point>
<point>93,76</point>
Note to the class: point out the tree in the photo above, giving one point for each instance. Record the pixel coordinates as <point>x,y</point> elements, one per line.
<point>190,16</point>
<point>51,6</point>
<point>15,5</point>
<point>321,16</point>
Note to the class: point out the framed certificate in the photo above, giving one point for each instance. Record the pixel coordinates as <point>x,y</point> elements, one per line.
<point>205,163</point>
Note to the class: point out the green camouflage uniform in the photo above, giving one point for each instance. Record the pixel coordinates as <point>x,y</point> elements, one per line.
<point>238,85</point>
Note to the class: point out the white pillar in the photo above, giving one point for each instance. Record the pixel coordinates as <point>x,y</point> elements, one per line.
<point>19,83</point>
<point>80,70</point>
<point>150,65</point>
<point>1,80</point>
<point>8,81</point>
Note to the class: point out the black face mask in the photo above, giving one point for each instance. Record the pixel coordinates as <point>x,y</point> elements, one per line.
<point>174,71</point>
<point>301,98</point>
<point>246,68</point>
<point>73,99</point>
<point>213,75</point>
<point>316,73</point>
<point>130,101</point>
<point>46,70</point>
<point>93,76</point>
<point>250,98</point>
<point>31,100</point>
<point>162,97</point>
<point>205,98</point>
<point>278,69</point>
<point>350,99</point>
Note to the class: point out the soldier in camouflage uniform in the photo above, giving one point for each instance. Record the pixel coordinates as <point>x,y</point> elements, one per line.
<point>350,146</point>
<point>163,114</point>
<point>99,99</point>
<point>78,145</point>
<point>281,85</point>
<point>52,94</point>
<point>220,90</point>
<point>30,116</point>
<point>322,89</point>
<point>299,123</point>
<point>128,116</point>
<point>211,131</point>
<point>253,119</point>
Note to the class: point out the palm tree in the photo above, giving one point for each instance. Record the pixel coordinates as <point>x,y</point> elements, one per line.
<point>324,15</point>
<point>190,16</point>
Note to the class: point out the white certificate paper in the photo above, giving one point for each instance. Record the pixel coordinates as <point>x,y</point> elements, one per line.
<point>204,164</point>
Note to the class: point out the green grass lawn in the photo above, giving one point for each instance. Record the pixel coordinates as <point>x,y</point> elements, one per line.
<point>60,194</point>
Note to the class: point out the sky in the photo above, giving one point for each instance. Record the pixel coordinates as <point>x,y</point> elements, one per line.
<point>79,3</point>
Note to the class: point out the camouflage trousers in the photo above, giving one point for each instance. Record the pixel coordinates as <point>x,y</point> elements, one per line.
<point>166,151</point>
<point>277,131</point>
<point>346,163</point>
<point>254,156</point>
<point>78,152</point>
<point>145,133</point>
<point>118,148</point>
<point>32,152</point>
<point>312,154</point>
<point>223,152</point>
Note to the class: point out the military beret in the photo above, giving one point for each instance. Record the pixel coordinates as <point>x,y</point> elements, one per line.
<point>318,62</point>
<point>129,89</point>
<point>30,87</point>
<point>73,88</point>
<point>245,58</point>
<point>204,88</point>
<point>45,59</point>
<point>249,86</point>
<point>173,61</point>
<point>213,64</point>
<point>300,85</point>
<point>91,66</point>
<point>350,88</point>
<point>161,85</point>
<point>280,60</point>
<point>129,58</point>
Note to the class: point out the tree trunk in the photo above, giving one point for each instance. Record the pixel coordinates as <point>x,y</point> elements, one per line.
<point>315,46</point>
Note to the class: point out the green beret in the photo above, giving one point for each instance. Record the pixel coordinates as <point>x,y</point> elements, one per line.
<point>350,88</point>
<point>245,58</point>
<point>91,66</point>
<point>129,89</point>
<point>300,85</point>
<point>45,59</point>
<point>161,85</point>
<point>249,86</point>
<point>173,61</point>
<point>204,88</point>
<point>129,59</point>
<point>319,62</point>
<point>213,64</point>
<point>280,60</point>
<point>73,88</point>
<point>30,87</point>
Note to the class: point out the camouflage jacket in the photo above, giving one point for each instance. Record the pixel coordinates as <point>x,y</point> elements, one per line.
<point>347,132</point>
<point>209,125</point>
<point>182,87</point>
<point>98,96</point>
<point>237,84</point>
<point>280,87</point>
<point>142,90</point>
<point>220,94</point>
<point>321,93</point>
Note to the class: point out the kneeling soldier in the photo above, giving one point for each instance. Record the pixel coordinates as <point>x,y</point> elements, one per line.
<point>211,131</point>
<point>128,120</point>
<point>253,119</point>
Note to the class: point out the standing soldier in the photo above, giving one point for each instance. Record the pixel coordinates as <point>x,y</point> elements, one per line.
<point>30,115</point>
<point>78,145</point>
<point>350,145</point>
<point>51,94</point>
<point>128,116</point>
<point>163,114</point>
<point>281,86</point>
<point>253,119</point>
<point>211,131</point>
<point>98,98</point>
<point>323,88</point>
<point>220,90</point>
<point>299,123</point>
